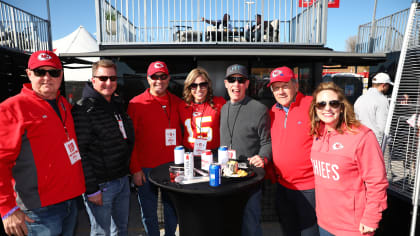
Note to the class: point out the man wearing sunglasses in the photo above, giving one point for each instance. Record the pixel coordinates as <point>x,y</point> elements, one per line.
<point>245,127</point>
<point>157,132</point>
<point>105,135</point>
<point>372,107</point>
<point>290,126</point>
<point>41,173</point>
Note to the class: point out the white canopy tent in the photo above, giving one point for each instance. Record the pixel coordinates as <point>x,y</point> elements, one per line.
<point>78,41</point>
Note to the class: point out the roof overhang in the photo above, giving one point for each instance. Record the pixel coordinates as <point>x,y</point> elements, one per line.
<point>322,54</point>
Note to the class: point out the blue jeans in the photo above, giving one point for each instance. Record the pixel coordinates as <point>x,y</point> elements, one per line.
<point>148,197</point>
<point>251,221</point>
<point>112,217</point>
<point>296,211</point>
<point>57,219</point>
<point>323,232</point>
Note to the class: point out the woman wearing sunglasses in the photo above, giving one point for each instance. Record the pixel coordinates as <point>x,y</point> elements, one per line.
<point>200,113</point>
<point>350,178</point>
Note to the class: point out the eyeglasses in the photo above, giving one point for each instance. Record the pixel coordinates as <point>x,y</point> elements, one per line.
<point>105,78</point>
<point>203,85</point>
<point>161,77</point>
<point>53,73</point>
<point>240,80</point>
<point>333,103</point>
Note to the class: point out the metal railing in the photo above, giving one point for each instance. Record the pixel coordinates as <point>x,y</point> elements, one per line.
<point>201,21</point>
<point>22,30</point>
<point>388,34</point>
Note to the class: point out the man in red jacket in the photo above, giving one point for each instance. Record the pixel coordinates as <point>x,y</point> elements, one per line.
<point>41,173</point>
<point>291,145</point>
<point>157,131</point>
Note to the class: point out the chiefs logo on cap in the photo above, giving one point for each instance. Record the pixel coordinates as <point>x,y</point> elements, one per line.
<point>44,57</point>
<point>277,72</point>
<point>159,65</point>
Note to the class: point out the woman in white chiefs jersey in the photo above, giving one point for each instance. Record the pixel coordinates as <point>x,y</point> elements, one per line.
<point>200,113</point>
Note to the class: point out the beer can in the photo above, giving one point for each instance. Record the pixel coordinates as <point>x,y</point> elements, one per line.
<point>179,155</point>
<point>222,155</point>
<point>215,173</point>
<point>206,159</point>
<point>188,165</point>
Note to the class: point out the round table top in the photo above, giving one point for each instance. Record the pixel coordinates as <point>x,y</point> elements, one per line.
<point>160,177</point>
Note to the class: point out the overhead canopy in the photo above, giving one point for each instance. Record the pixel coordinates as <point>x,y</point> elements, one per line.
<point>325,55</point>
<point>80,41</point>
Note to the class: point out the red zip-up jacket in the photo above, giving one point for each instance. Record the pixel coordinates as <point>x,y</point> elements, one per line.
<point>150,121</point>
<point>291,144</point>
<point>35,168</point>
<point>350,180</point>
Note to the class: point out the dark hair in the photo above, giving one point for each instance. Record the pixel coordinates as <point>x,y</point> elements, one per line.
<point>347,119</point>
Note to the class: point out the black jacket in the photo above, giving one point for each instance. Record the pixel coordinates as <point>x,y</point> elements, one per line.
<point>105,153</point>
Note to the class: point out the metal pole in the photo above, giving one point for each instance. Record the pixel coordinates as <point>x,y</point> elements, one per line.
<point>372,29</point>
<point>99,21</point>
<point>49,27</point>
<point>416,192</point>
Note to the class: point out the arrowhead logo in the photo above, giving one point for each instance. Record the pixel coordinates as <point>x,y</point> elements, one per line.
<point>44,57</point>
<point>159,65</point>
<point>337,146</point>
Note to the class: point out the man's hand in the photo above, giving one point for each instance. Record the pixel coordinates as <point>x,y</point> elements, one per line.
<point>97,199</point>
<point>365,229</point>
<point>256,161</point>
<point>138,178</point>
<point>15,223</point>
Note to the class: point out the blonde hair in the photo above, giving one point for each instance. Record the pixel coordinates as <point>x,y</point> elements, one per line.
<point>347,120</point>
<point>194,74</point>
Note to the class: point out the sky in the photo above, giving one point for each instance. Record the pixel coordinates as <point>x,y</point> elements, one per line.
<point>343,22</point>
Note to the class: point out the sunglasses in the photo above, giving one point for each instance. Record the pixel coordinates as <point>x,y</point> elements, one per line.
<point>41,72</point>
<point>161,77</point>
<point>204,85</point>
<point>105,78</point>
<point>240,80</point>
<point>333,103</point>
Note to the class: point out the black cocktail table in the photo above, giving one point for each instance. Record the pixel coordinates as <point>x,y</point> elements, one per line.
<point>206,210</point>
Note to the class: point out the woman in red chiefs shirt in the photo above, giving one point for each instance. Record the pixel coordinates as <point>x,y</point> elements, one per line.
<point>349,169</point>
<point>200,113</point>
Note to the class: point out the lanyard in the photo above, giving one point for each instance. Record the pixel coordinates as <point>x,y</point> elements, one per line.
<point>201,118</point>
<point>234,122</point>
<point>65,118</point>
<point>168,116</point>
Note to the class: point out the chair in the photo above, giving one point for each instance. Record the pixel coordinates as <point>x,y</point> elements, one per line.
<point>271,31</point>
<point>186,34</point>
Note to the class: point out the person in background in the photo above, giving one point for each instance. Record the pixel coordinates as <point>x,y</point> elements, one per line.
<point>349,169</point>
<point>41,174</point>
<point>245,127</point>
<point>220,25</point>
<point>157,132</point>
<point>290,126</point>
<point>254,34</point>
<point>372,107</point>
<point>106,137</point>
<point>200,113</point>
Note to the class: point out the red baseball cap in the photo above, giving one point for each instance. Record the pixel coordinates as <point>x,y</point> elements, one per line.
<point>157,66</point>
<point>281,74</point>
<point>44,58</point>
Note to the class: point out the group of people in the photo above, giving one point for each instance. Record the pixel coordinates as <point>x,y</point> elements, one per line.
<point>252,33</point>
<point>328,167</point>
